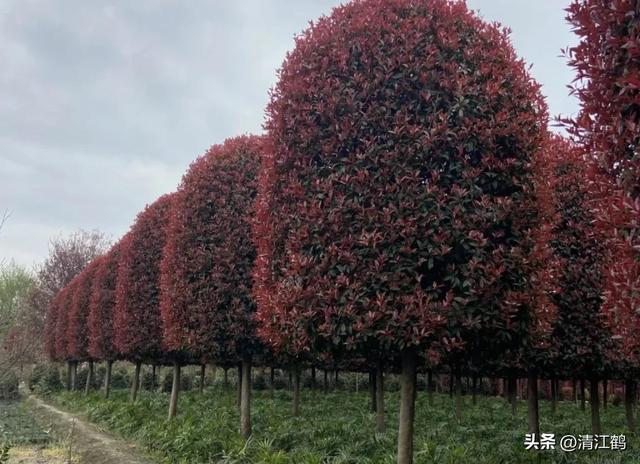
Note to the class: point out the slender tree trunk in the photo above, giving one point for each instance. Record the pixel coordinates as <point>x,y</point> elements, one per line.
<point>458,401</point>
<point>474,390</point>
<point>295,410</point>
<point>407,406</point>
<point>583,398</point>
<point>175,391</point>
<point>372,390</point>
<point>88,386</point>
<point>313,377</point>
<point>135,382</point>
<point>203,368</point>
<point>605,393</point>
<point>629,403</point>
<point>596,427</point>
<point>245,402</point>
<point>239,386</point>
<point>107,379</point>
<point>532,402</point>
<point>226,379</point>
<point>357,381</point>
<point>379,398</point>
<point>574,391</point>
<point>153,377</point>
<point>554,395</point>
<point>326,381</point>
<point>69,375</point>
<point>512,387</point>
<point>336,380</point>
<point>290,381</point>
<point>430,386</point>
<point>272,380</point>
<point>451,384</point>
<point>74,375</point>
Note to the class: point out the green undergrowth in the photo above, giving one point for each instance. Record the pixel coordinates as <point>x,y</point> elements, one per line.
<point>338,428</point>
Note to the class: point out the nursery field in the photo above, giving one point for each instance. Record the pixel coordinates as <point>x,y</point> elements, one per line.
<point>337,427</point>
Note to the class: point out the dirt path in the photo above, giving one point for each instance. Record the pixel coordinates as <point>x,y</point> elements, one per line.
<point>90,445</point>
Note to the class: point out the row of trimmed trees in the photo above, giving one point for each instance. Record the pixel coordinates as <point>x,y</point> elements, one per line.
<point>406,211</point>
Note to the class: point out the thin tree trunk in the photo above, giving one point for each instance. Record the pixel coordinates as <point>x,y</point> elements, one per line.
<point>74,374</point>
<point>313,377</point>
<point>458,393</point>
<point>512,387</point>
<point>574,391</point>
<point>202,374</point>
<point>295,410</point>
<point>272,380</point>
<point>451,384</point>
<point>372,390</point>
<point>629,403</point>
<point>596,427</point>
<point>583,399</point>
<point>554,395</point>
<point>532,403</point>
<point>474,390</point>
<point>88,386</point>
<point>605,393</point>
<point>226,379</point>
<point>357,381</point>
<point>336,381</point>
<point>239,386</point>
<point>326,381</point>
<point>407,406</point>
<point>153,377</point>
<point>107,379</point>
<point>135,382</point>
<point>290,381</point>
<point>69,375</point>
<point>430,386</point>
<point>175,391</point>
<point>245,402</point>
<point>379,398</point>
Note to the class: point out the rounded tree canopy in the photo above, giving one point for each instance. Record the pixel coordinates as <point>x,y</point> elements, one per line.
<point>207,307</point>
<point>101,307</point>
<point>77,330</point>
<point>137,322</point>
<point>402,135</point>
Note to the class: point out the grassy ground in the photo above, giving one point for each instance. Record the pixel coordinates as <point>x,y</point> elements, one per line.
<point>337,428</point>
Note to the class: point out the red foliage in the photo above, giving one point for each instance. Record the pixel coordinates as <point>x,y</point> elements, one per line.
<point>101,307</point>
<point>206,299</point>
<point>607,61</point>
<point>137,322</point>
<point>402,137</point>
<point>62,322</point>
<point>77,330</point>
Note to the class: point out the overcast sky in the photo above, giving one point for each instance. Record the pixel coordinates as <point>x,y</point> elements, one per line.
<point>103,105</point>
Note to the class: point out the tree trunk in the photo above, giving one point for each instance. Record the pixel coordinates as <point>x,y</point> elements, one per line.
<point>583,399</point>
<point>379,398</point>
<point>532,403</point>
<point>554,395</point>
<point>458,402</point>
<point>407,406</point>
<point>336,381</point>
<point>430,386</point>
<point>596,427</point>
<point>175,390</point>
<point>357,381</point>
<point>107,379</point>
<point>313,377</point>
<point>290,381</point>
<point>226,379</point>
<point>203,368</point>
<point>326,381</point>
<point>474,390</point>
<point>295,410</point>
<point>605,393</point>
<point>88,385</point>
<point>153,377</point>
<point>512,387</point>
<point>239,386</point>
<point>135,382</point>
<point>451,384</point>
<point>629,402</point>
<point>74,374</point>
<point>69,375</point>
<point>272,380</point>
<point>245,401</point>
<point>574,391</point>
<point>372,390</point>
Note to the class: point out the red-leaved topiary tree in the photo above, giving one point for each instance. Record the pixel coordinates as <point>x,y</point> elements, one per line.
<point>77,330</point>
<point>61,332</point>
<point>137,322</point>
<point>402,135</point>
<point>207,307</point>
<point>101,312</point>
<point>53,311</point>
